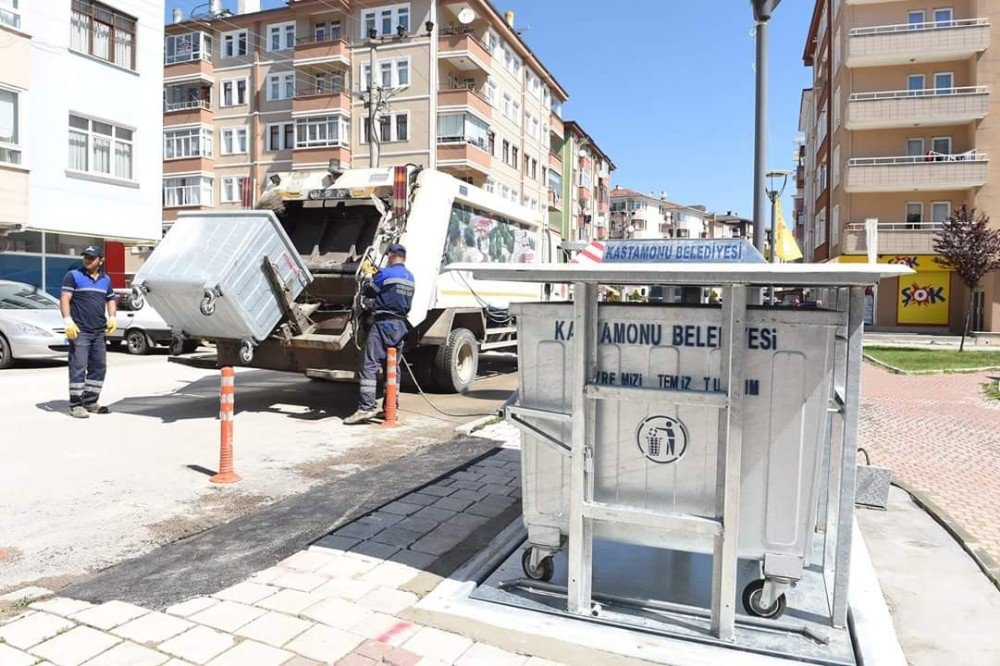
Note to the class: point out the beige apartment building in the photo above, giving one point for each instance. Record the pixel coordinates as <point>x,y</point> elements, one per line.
<point>902,125</point>
<point>15,72</point>
<point>251,95</point>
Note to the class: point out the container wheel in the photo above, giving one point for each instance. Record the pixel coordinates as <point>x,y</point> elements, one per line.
<point>456,362</point>
<point>751,601</point>
<point>246,352</point>
<point>207,306</point>
<point>136,342</point>
<point>542,572</point>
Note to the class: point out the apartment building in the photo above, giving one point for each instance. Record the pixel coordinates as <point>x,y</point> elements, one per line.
<point>728,225</point>
<point>277,94</point>
<point>579,183</point>
<point>80,134</point>
<point>902,124</point>
<point>636,215</point>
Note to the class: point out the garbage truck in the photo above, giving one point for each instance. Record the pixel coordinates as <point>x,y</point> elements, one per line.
<point>279,288</point>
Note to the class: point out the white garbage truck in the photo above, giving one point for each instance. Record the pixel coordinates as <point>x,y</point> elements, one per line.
<point>280,288</point>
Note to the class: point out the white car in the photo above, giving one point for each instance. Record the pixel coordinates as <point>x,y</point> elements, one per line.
<point>31,326</point>
<point>143,329</point>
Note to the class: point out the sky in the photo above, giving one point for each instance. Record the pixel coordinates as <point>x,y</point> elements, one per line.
<point>666,87</point>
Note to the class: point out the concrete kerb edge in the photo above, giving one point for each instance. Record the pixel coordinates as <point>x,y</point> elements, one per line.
<point>873,633</point>
<point>476,424</point>
<point>949,371</point>
<point>984,561</point>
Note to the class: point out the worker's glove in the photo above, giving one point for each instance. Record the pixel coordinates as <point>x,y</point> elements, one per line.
<point>72,330</point>
<point>368,269</point>
<point>112,326</point>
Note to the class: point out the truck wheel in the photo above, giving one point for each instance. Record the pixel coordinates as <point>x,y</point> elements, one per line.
<point>136,342</point>
<point>456,362</point>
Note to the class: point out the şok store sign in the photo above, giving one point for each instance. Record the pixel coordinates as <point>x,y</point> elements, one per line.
<point>922,299</point>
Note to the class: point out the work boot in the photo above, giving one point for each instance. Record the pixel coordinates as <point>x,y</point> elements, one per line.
<point>360,416</point>
<point>94,408</point>
<point>79,412</point>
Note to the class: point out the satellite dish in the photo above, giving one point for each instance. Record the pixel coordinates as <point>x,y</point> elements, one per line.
<point>466,16</point>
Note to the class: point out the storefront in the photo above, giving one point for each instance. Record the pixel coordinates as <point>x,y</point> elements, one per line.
<point>928,300</point>
<point>41,258</point>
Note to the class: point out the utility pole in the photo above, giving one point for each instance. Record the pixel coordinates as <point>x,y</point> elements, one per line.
<point>762,10</point>
<point>373,104</point>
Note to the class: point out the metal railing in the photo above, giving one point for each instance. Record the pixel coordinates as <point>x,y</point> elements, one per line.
<point>930,158</point>
<point>478,92</point>
<point>915,27</point>
<point>925,92</point>
<point>313,39</point>
<point>186,105</point>
<point>316,90</point>
<point>452,30</point>
<point>182,195</point>
<point>8,17</point>
<point>898,226</point>
<point>200,54</point>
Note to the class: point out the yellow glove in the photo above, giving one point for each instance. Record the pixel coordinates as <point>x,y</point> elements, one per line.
<point>112,326</point>
<point>368,269</point>
<point>72,330</point>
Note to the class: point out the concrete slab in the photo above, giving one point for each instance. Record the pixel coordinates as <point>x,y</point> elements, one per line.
<point>274,629</point>
<point>33,629</point>
<point>75,646</point>
<point>198,645</point>
<point>11,657</point>
<point>128,654</point>
<point>109,614</point>
<point>61,606</point>
<point>326,644</point>
<point>944,608</point>
<point>152,628</point>
<point>250,652</point>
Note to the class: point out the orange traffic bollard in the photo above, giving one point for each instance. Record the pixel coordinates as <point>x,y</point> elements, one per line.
<point>391,389</point>
<point>227,403</point>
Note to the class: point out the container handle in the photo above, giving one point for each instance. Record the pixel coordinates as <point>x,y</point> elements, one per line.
<point>868,460</point>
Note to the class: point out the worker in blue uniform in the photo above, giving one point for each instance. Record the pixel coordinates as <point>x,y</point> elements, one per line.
<point>392,290</point>
<point>86,297</point>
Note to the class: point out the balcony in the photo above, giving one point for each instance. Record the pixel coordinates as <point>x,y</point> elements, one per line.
<point>463,154</point>
<point>555,201</point>
<point>915,108</point>
<point>320,98</point>
<point>464,99</point>
<point>329,48</point>
<point>555,161</point>
<point>917,173</point>
<point>893,238</point>
<point>917,42</point>
<point>464,51</point>
<point>322,157</point>
<point>585,193</point>
<point>187,112</point>
<point>556,127</point>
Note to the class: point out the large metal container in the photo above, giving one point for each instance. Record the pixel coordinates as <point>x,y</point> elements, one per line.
<point>661,457</point>
<point>207,277</point>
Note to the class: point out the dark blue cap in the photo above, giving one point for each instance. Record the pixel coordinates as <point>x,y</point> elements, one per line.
<point>396,248</point>
<point>94,251</point>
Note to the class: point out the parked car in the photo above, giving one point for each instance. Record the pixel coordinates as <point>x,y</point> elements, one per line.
<point>31,326</point>
<point>143,329</point>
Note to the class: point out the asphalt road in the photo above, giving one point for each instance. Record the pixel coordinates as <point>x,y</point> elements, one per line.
<point>80,495</point>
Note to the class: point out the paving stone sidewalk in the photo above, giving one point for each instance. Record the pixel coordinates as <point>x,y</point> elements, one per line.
<point>941,437</point>
<point>340,601</point>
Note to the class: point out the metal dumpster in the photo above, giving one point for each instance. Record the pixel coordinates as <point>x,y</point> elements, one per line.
<point>728,429</point>
<point>223,275</point>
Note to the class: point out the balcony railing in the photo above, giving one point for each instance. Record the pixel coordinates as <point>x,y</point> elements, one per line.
<point>914,27</point>
<point>316,90</point>
<point>893,238</point>
<point>926,92</point>
<point>190,56</point>
<point>931,156</point>
<point>187,105</point>
<point>555,200</point>
<point>908,108</point>
<point>335,36</point>
<point>904,43</point>
<point>917,173</point>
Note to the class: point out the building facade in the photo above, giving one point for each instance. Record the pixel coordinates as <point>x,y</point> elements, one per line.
<point>901,126</point>
<point>80,134</point>
<point>579,197</point>
<point>636,215</point>
<point>261,94</point>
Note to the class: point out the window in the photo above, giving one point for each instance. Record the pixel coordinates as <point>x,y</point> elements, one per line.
<point>326,30</point>
<point>940,211</point>
<point>187,142</point>
<point>385,20</point>
<point>9,14</point>
<point>836,49</point>
<point>10,144</point>
<point>513,156</point>
<point>836,109</point>
<point>232,189</point>
<point>915,18</point>
<point>915,147</point>
<point>534,168</point>
<point>507,104</point>
<point>944,83</point>
<point>391,127</point>
<point>100,148</point>
<point>490,185</point>
<point>187,96</point>
<point>234,140</point>
<point>281,36</point>
<point>914,213</point>
<point>280,86</point>
<point>234,44</point>
<point>836,165</point>
<point>102,32</point>
<point>943,17</point>
<point>392,73</point>
<point>186,47</point>
<point>505,152</point>
<point>835,226</point>
<point>321,131</point>
<point>534,85</point>
<point>941,145</point>
<point>493,43</point>
<point>189,191</point>
<point>915,83</point>
<point>280,136</point>
<point>234,92</point>
<point>515,113</point>
<point>821,126</point>
<point>491,92</point>
<point>820,228</point>
<point>463,127</point>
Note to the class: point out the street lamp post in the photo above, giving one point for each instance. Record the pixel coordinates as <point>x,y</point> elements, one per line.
<point>774,192</point>
<point>762,10</point>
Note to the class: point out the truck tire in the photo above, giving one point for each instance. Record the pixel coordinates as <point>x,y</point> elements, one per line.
<point>456,362</point>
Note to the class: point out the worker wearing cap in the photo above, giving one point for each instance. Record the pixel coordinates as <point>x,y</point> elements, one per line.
<point>392,289</point>
<point>88,310</point>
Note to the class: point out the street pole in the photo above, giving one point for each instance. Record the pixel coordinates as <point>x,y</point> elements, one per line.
<point>774,229</point>
<point>760,137</point>
<point>372,104</point>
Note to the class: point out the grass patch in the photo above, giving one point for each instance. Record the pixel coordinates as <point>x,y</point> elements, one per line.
<point>934,359</point>
<point>991,389</point>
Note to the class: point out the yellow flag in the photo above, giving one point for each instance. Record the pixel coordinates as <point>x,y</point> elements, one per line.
<point>788,249</point>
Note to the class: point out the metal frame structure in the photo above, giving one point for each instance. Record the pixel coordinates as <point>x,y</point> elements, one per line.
<point>835,506</point>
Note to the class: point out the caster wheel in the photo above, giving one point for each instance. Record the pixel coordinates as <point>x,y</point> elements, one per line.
<point>246,353</point>
<point>751,601</point>
<point>207,307</point>
<point>542,572</point>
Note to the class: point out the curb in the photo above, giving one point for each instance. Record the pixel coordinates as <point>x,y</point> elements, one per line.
<point>949,371</point>
<point>982,559</point>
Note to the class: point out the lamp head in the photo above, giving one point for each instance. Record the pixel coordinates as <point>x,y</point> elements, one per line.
<point>762,9</point>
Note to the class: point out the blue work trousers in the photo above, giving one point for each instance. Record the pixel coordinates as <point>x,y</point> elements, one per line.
<point>88,363</point>
<point>384,334</point>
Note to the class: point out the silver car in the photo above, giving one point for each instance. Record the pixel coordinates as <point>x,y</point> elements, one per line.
<point>31,326</point>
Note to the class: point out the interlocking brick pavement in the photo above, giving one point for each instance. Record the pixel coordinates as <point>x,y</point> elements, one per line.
<point>940,435</point>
